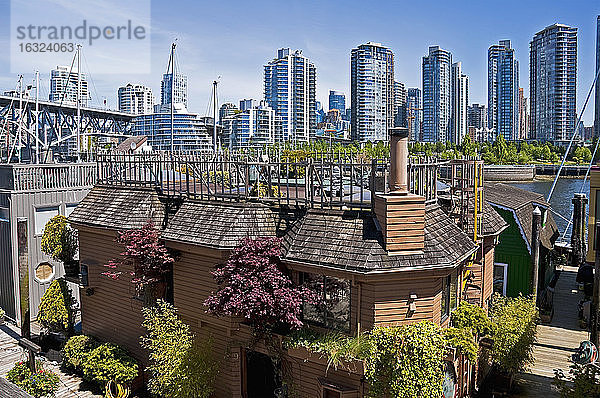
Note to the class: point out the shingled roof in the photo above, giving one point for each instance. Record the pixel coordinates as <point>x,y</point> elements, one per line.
<point>119,208</point>
<point>493,223</point>
<point>220,225</point>
<point>8,389</point>
<point>522,203</point>
<point>350,240</point>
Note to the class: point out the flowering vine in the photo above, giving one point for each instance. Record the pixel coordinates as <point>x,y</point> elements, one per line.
<point>253,285</point>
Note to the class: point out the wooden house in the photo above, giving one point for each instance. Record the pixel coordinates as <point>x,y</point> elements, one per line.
<point>512,258</point>
<point>389,258</point>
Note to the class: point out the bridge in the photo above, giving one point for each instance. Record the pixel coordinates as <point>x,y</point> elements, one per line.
<point>30,129</point>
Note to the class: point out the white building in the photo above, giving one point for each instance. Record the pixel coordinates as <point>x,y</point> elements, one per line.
<point>372,92</point>
<point>460,103</point>
<point>290,90</point>
<point>136,99</point>
<point>64,82</point>
<point>252,127</point>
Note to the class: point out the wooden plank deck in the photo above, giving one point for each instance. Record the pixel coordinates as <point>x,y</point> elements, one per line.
<point>555,342</point>
<point>11,352</point>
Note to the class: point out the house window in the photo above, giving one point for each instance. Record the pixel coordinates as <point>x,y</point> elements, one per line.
<point>333,310</point>
<point>500,273</point>
<point>42,216</point>
<point>449,294</point>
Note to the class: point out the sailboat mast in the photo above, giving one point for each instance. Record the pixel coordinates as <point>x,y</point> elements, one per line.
<point>37,115</point>
<point>172,62</point>
<point>215,116</point>
<point>78,139</point>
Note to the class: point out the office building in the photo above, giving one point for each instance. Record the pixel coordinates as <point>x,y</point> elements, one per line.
<point>190,132</point>
<point>179,89</point>
<point>320,113</point>
<point>460,103</point>
<point>477,116</point>
<point>337,100</point>
<point>372,92</point>
<point>503,90</point>
<point>136,99</point>
<point>64,83</point>
<point>246,104</point>
<point>553,83</point>
<point>414,113</point>
<point>523,116</point>
<point>227,109</point>
<point>290,90</point>
<point>437,95</point>
<point>250,127</point>
<point>399,104</point>
<point>597,102</point>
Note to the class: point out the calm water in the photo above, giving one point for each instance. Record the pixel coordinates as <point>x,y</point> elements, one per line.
<point>561,198</point>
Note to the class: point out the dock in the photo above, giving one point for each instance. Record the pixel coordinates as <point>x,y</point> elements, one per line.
<point>556,342</point>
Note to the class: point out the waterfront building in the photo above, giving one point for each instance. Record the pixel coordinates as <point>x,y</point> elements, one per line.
<point>179,89</point>
<point>460,103</point>
<point>246,104</point>
<point>136,99</point>
<point>523,116</point>
<point>597,102</point>
<point>251,127</point>
<point>437,93</point>
<point>477,116</point>
<point>337,100</point>
<point>320,113</point>
<point>414,112</point>
<point>290,90</point>
<point>190,132</point>
<point>399,104</point>
<point>503,90</point>
<point>553,83</point>
<point>372,92</point>
<point>227,109</point>
<point>64,83</point>
<point>334,126</point>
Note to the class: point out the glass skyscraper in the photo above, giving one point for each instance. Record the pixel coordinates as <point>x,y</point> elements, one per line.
<point>460,103</point>
<point>399,104</point>
<point>337,100</point>
<point>553,83</point>
<point>414,112</point>
<point>290,90</point>
<point>179,90</point>
<point>437,95</point>
<point>503,90</point>
<point>372,87</point>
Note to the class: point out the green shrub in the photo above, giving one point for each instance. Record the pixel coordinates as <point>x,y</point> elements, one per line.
<point>584,381</point>
<point>178,367</point>
<point>40,384</point>
<point>514,325</point>
<point>109,362</point>
<point>2,314</point>
<point>56,307</point>
<point>77,350</point>
<point>472,317</point>
<point>463,340</point>
<point>59,239</point>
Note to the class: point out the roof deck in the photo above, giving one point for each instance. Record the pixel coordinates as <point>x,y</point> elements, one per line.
<point>47,177</point>
<point>314,180</point>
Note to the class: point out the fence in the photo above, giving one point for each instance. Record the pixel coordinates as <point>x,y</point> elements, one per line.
<point>40,177</point>
<point>314,180</point>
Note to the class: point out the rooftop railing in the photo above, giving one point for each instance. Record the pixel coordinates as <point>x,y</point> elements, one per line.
<point>47,177</point>
<point>324,180</point>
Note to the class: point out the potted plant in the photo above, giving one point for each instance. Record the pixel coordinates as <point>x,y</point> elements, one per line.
<point>60,241</point>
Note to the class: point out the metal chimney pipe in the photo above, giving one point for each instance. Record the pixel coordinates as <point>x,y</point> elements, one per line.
<point>398,181</point>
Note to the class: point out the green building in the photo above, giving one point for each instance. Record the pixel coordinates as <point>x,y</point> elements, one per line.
<point>512,258</point>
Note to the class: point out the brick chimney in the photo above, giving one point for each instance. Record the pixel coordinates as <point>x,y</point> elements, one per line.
<point>400,214</point>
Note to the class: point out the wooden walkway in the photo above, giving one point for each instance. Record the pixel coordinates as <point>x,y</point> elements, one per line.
<point>555,342</point>
<point>11,352</point>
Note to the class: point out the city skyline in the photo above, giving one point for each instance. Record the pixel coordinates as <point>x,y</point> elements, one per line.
<point>204,60</point>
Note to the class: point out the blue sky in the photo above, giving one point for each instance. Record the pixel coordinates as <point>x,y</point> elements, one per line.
<point>234,39</point>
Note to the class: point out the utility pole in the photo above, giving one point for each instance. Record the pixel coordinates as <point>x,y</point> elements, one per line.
<point>596,294</point>
<point>535,251</point>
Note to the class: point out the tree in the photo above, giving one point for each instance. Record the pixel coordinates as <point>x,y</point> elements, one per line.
<point>144,252</point>
<point>59,239</point>
<point>468,147</point>
<point>55,311</point>
<point>254,286</point>
<point>179,367</point>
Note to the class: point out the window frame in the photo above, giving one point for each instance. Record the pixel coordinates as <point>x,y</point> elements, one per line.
<point>504,277</point>
<point>326,321</point>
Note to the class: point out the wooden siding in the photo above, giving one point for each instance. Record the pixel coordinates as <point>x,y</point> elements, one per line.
<point>111,313</point>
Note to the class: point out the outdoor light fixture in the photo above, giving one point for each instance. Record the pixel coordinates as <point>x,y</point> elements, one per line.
<point>83,275</point>
<point>412,305</point>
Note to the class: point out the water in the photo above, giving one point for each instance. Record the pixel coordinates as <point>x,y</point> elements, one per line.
<point>561,198</point>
